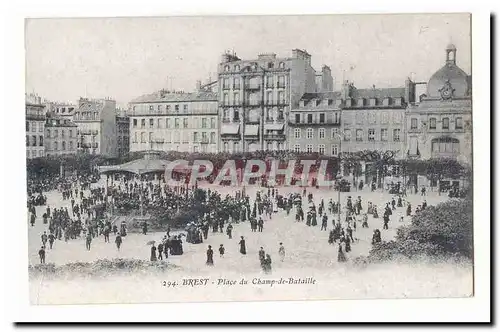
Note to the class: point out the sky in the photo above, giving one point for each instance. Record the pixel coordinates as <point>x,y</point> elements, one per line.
<point>123,58</point>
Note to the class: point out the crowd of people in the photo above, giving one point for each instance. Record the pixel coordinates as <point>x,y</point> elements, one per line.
<point>86,217</point>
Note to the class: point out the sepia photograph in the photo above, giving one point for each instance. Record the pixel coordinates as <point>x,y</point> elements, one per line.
<point>249,158</point>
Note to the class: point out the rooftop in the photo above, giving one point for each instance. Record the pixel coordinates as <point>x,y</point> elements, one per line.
<point>166,96</point>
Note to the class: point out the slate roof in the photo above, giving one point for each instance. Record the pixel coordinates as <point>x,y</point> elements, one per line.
<point>175,97</point>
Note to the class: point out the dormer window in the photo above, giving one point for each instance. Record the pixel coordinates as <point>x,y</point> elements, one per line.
<point>373,102</point>
<point>318,102</point>
<point>330,102</point>
<point>226,68</point>
<point>387,101</point>
<point>397,101</point>
<point>270,65</point>
<point>361,102</point>
<point>237,68</point>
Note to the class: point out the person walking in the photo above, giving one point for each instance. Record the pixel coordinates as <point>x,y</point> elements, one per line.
<point>44,238</point>
<point>386,221</point>
<point>243,249</point>
<point>229,231</point>
<point>118,242</point>
<point>41,254</point>
<point>210,256</point>
<point>261,224</point>
<point>51,240</point>
<point>222,250</point>
<point>262,256</point>
<point>324,222</point>
<point>88,241</point>
<point>281,252</point>
<point>267,264</point>
<point>341,256</point>
<point>106,233</point>
<point>160,251</point>
<point>153,253</point>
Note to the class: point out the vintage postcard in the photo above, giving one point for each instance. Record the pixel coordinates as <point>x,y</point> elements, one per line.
<point>249,158</point>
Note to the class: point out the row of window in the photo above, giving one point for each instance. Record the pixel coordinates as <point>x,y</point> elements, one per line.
<point>254,83</point>
<point>270,114</point>
<point>87,115</point>
<point>34,153</point>
<point>202,107</point>
<point>55,132</point>
<point>55,145</point>
<point>361,117</point>
<point>445,123</point>
<point>396,134</point>
<point>167,123</point>
<point>309,148</point>
<point>321,118</point>
<point>32,126</point>
<point>254,99</point>
<point>270,146</point>
<point>445,147</point>
<point>63,109</point>
<point>33,141</point>
<point>254,66</point>
<point>197,137</point>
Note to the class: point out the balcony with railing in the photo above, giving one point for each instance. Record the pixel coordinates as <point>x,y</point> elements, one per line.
<point>279,120</point>
<point>252,120</point>
<point>252,86</point>
<point>230,104</point>
<point>254,102</point>
<point>276,135</point>
<point>281,102</point>
<point>327,122</point>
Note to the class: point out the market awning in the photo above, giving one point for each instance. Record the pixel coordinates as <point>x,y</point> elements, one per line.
<point>230,129</point>
<point>274,126</point>
<point>252,130</point>
<point>139,166</point>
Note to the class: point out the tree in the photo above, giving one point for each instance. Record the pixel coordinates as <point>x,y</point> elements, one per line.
<point>379,162</point>
<point>439,231</point>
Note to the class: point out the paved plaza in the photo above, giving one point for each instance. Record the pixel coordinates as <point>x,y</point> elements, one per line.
<point>309,247</point>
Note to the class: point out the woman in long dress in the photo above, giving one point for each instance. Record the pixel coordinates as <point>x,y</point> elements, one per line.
<point>243,249</point>
<point>153,253</point>
<point>341,256</point>
<point>210,256</point>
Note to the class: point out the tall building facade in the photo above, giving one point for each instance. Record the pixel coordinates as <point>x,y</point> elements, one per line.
<point>35,126</point>
<point>96,122</point>
<point>314,125</point>
<point>440,125</point>
<point>374,119</point>
<point>60,137</point>
<point>255,97</point>
<point>175,121</point>
<point>122,132</point>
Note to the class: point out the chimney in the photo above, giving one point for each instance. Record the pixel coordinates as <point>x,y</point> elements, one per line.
<point>346,90</point>
<point>409,91</point>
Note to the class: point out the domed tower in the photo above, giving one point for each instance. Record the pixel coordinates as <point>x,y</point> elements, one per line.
<point>450,81</point>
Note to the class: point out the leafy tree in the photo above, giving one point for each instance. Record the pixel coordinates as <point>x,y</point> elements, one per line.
<point>438,231</point>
